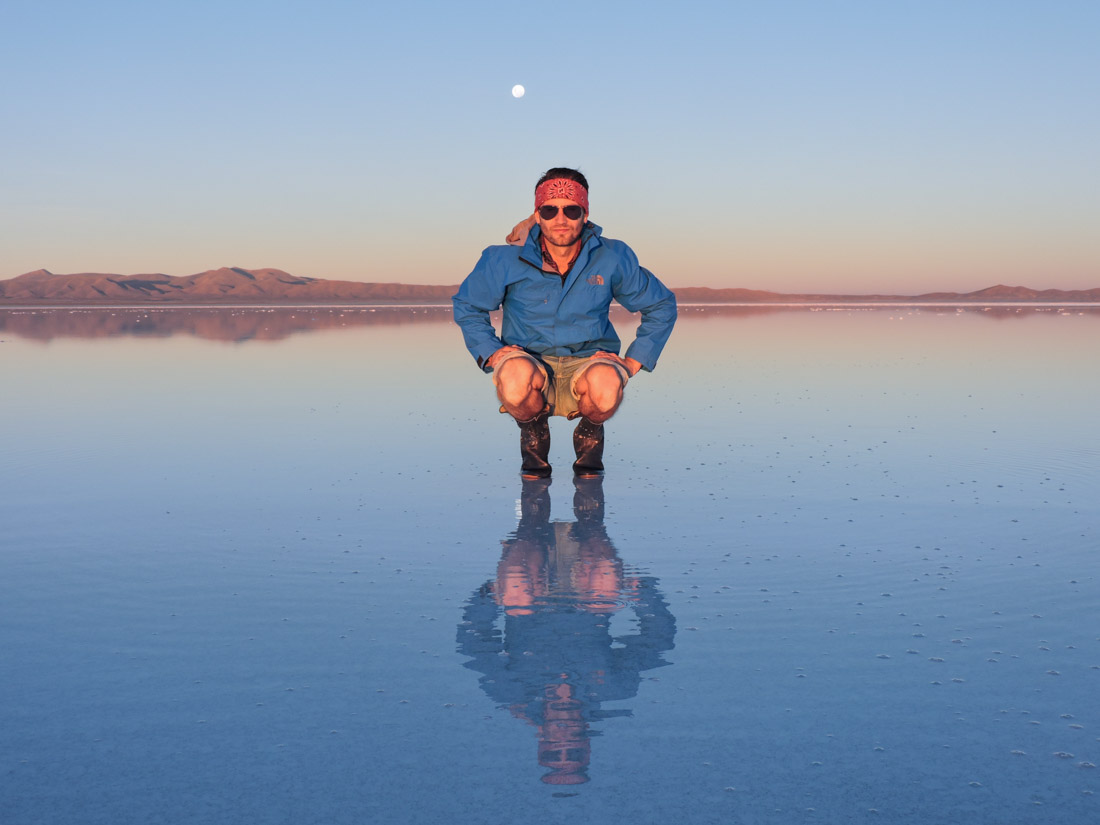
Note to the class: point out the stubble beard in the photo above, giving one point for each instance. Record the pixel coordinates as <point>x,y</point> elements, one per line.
<point>566,240</point>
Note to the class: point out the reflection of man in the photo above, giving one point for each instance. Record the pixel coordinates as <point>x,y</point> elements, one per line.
<point>557,353</point>
<point>555,660</point>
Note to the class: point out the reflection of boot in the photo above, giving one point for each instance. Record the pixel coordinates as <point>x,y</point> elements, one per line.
<point>588,443</point>
<point>534,445</point>
<point>534,503</point>
<point>588,501</point>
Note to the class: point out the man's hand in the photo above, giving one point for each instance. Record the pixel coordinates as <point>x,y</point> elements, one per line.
<point>629,364</point>
<point>496,357</point>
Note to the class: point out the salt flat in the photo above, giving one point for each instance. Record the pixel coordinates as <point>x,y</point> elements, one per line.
<point>842,568</point>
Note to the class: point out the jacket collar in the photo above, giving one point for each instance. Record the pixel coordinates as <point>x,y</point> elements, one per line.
<point>532,252</point>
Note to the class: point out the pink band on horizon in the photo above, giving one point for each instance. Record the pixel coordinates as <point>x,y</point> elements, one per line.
<point>561,188</point>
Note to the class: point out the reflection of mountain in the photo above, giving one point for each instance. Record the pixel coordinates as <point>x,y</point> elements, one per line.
<point>993,294</point>
<point>541,632</point>
<point>986,310</point>
<point>213,323</point>
<point>227,323</point>
<point>228,285</point>
<point>234,285</point>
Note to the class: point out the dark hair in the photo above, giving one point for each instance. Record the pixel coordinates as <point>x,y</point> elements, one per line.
<point>563,172</point>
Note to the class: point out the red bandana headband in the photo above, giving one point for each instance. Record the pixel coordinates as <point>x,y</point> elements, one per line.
<point>561,188</point>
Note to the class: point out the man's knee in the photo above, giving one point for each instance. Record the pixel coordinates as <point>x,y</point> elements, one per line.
<point>600,380</point>
<point>519,376</point>
<point>520,387</point>
<point>599,390</point>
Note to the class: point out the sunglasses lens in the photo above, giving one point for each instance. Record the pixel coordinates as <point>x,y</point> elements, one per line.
<point>572,211</point>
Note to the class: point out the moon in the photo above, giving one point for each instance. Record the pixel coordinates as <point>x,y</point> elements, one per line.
<point>517,91</point>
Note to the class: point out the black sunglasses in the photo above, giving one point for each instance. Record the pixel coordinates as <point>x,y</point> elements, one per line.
<point>572,211</point>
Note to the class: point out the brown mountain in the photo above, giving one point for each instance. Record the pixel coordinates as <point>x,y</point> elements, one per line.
<point>1016,293</point>
<point>226,285</point>
<point>232,285</point>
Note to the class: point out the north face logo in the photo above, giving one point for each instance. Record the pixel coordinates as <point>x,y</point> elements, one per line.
<point>595,280</point>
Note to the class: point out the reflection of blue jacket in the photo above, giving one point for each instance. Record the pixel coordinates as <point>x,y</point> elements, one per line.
<point>560,640</point>
<point>547,317</point>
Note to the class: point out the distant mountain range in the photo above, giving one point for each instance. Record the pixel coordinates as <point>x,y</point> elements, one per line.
<point>233,285</point>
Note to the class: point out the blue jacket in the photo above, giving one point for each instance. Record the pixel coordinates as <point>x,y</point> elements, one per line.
<point>547,317</point>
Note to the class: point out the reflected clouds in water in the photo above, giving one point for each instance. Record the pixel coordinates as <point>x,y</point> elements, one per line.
<point>541,631</point>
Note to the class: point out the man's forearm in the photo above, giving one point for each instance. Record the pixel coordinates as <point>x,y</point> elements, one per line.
<point>477,331</point>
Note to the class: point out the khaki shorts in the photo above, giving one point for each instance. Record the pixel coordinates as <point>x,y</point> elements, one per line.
<point>561,374</point>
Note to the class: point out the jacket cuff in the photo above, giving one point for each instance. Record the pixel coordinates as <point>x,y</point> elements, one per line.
<point>639,353</point>
<point>483,355</point>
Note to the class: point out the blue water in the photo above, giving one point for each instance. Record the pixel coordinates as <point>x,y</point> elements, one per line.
<point>279,567</point>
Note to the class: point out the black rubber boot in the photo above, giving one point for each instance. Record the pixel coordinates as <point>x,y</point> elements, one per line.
<point>534,446</point>
<point>588,443</point>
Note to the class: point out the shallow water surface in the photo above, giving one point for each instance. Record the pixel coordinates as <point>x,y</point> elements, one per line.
<point>278,566</point>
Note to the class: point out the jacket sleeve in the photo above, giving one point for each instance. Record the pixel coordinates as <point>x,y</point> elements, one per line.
<point>639,291</point>
<point>478,295</point>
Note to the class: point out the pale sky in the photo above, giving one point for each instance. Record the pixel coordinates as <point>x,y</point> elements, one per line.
<point>861,146</point>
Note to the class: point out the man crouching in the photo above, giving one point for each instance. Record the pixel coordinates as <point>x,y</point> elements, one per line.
<point>557,352</point>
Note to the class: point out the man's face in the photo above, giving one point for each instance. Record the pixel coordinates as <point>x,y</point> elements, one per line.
<point>559,230</point>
